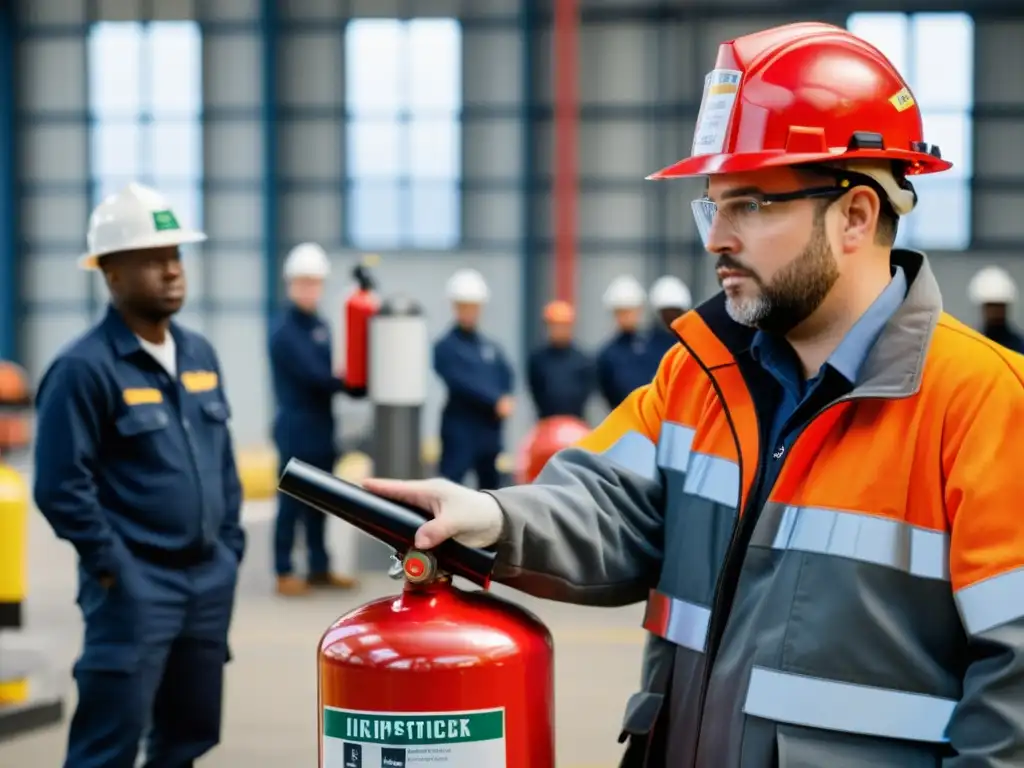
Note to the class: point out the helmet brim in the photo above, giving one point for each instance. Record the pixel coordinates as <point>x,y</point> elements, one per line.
<point>710,165</point>
<point>158,240</point>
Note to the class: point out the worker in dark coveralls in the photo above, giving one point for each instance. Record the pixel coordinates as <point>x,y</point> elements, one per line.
<point>623,363</point>
<point>479,380</point>
<point>562,376</point>
<point>670,299</point>
<point>994,292</point>
<point>304,425</point>
<point>134,467</point>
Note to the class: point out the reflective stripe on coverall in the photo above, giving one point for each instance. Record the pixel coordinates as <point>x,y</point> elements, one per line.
<point>869,614</point>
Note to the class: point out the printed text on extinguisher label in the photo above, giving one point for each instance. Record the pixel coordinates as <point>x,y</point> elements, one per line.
<point>354,739</point>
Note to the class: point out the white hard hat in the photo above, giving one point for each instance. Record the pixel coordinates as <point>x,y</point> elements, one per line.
<point>307,260</point>
<point>134,218</point>
<point>670,292</point>
<point>992,285</point>
<point>624,292</point>
<point>467,286</point>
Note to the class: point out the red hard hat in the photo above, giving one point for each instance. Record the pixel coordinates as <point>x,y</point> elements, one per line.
<point>804,93</point>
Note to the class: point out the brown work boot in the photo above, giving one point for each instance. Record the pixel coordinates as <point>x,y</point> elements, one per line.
<point>291,586</point>
<point>332,580</point>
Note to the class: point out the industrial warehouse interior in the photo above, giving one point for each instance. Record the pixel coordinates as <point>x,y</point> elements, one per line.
<point>413,140</point>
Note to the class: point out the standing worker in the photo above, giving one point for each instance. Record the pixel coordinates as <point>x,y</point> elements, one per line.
<point>993,290</point>
<point>304,428</point>
<point>561,376</point>
<point>818,494</point>
<point>479,381</point>
<point>670,299</point>
<point>623,362</point>
<point>134,467</point>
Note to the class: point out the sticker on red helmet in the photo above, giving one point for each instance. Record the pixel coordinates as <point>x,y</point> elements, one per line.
<point>902,100</point>
<point>721,87</point>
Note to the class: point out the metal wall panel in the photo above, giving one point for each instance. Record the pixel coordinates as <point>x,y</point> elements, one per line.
<point>52,179</point>
<point>311,72</point>
<point>231,69</point>
<point>55,152</point>
<point>314,215</point>
<point>233,150</point>
<point>230,263</point>
<point>52,76</point>
<point>53,218</point>
<point>492,62</point>
<point>998,166</point>
<point>493,217</point>
<point>493,149</point>
<point>35,13</point>
<point>228,10</point>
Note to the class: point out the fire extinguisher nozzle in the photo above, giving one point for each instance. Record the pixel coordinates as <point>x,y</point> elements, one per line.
<point>392,523</point>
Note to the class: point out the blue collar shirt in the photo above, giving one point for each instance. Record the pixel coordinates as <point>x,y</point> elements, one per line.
<point>777,357</point>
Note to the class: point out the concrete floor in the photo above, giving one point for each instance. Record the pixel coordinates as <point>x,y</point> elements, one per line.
<point>270,703</point>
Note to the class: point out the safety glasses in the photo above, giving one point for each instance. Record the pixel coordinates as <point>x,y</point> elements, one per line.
<point>743,212</point>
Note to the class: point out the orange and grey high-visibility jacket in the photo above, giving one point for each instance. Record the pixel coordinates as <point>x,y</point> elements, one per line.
<point>871,613</point>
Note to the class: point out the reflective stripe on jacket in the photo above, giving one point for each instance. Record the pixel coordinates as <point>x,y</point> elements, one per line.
<point>869,614</point>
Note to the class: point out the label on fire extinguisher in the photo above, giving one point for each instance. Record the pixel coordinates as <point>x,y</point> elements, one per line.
<point>354,739</point>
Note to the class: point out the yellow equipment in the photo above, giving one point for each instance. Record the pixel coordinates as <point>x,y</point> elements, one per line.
<point>21,708</point>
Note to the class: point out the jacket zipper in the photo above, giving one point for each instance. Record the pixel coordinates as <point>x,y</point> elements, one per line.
<point>716,624</point>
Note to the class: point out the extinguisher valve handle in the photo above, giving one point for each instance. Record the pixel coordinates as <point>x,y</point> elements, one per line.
<point>392,523</point>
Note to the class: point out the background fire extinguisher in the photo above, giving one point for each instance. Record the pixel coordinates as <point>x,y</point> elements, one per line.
<point>360,306</point>
<point>436,676</point>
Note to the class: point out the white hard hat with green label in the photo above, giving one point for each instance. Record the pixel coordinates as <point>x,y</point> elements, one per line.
<point>307,260</point>
<point>137,217</point>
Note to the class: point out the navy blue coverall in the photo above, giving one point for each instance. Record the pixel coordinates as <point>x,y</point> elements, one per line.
<point>662,339</point>
<point>477,375</point>
<point>561,379</point>
<point>1002,333</point>
<point>305,386</point>
<point>624,364</point>
<point>136,470</point>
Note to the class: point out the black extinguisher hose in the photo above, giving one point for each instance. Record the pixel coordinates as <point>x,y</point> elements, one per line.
<point>393,523</point>
<point>364,279</point>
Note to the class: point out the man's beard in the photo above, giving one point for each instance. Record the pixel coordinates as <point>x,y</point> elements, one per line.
<point>150,311</point>
<point>793,294</point>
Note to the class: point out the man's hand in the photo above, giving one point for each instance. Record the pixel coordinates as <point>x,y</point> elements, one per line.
<point>470,517</point>
<point>506,404</point>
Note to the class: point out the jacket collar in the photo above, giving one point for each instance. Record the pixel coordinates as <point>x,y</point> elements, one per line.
<point>127,343</point>
<point>894,366</point>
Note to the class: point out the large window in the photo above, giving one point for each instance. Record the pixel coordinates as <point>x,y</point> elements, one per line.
<point>935,54</point>
<point>403,98</point>
<point>145,103</point>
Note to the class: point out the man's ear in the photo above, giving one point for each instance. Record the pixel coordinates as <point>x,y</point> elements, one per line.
<point>861,209</point>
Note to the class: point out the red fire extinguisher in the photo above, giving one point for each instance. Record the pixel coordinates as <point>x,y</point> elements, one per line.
<point>435,676</point>
<point>361,305</point>
<point>547,438</point>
